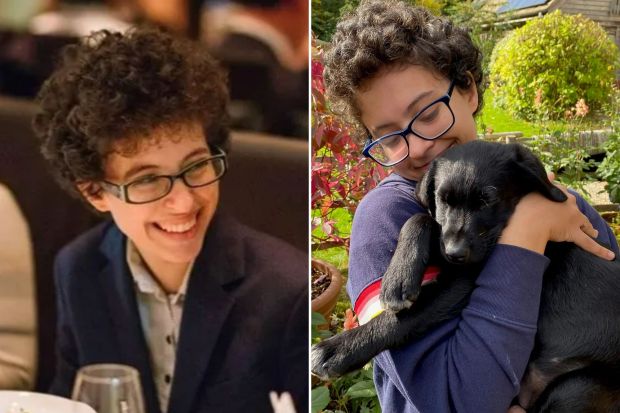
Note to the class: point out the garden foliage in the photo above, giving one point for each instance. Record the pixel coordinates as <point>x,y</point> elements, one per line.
<point>540,70</point>
<point>480,19</point>
<point>341,175</point>
<point>609,168</point>
<point>352,393</point>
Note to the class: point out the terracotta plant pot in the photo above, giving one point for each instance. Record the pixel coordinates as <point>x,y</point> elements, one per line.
<point>326,302</point>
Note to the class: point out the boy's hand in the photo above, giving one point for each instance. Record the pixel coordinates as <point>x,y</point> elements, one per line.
<point>537,220</point>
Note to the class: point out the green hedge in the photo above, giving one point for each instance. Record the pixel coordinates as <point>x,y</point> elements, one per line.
<point>540,70</point>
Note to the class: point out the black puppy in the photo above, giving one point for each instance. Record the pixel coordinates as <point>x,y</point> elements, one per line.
<point>471,192</point>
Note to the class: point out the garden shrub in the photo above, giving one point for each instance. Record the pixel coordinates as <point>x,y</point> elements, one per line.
<point>609,169</point>
<point>480,19</point>
<point>341,175</point>
<point>540,70</point>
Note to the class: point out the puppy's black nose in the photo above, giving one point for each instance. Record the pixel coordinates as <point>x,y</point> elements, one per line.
<point>458,259</point>
<point>457,254</point>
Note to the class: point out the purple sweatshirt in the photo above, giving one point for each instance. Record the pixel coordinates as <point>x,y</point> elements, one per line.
<point>474,363</point>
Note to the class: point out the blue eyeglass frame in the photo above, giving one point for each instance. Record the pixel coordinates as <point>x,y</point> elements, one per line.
<point>403,133</point>
<point>120,190</point>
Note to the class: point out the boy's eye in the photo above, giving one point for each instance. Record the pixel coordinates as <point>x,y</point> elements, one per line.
<point>198,168</point>
<point>428,115</point>
<point>147,180</point>
<point>391,141</point>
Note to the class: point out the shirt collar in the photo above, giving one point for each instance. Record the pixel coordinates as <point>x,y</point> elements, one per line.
<point>144,280</point>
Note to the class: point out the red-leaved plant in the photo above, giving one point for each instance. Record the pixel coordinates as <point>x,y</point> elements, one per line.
<point>341,175</point>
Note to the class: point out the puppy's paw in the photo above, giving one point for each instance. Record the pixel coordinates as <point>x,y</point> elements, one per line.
<point>339,355</point>
<point>326,359</point>
<point>398,290</point>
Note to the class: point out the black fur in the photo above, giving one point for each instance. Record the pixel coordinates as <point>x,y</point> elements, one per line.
<point>471,192</point>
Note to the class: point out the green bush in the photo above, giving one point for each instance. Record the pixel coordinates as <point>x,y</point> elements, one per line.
<point>609,169</point>
<point>480,19</point>
<point>540,70</point>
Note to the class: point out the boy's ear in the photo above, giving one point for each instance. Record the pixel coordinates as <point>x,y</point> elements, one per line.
<point>93,193</point>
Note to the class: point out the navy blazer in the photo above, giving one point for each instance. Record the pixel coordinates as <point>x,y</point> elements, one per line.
<point>243,333</point>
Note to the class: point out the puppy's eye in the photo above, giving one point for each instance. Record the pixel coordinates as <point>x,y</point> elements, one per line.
<point>449,199</point>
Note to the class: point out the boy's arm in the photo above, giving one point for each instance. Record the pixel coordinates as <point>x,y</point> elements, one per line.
<point>485,350</point>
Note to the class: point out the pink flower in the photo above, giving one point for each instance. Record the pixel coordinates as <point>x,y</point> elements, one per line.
<point>350,320</point>
<point>581,108</point>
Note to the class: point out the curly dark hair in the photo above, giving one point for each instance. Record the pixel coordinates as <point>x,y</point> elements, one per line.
<point>381,34</point>
<point>112,89</point>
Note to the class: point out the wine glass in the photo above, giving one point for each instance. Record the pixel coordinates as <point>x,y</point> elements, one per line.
<point>109,388</point>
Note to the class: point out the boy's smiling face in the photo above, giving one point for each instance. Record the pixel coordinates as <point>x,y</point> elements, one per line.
<point>170,230</point>
<point>388,102</point>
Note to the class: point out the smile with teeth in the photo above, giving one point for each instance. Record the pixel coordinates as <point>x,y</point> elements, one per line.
<point>178,228</point>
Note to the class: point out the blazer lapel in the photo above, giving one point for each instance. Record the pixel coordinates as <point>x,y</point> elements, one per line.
<point>123,309</point>
<point>206,308</point>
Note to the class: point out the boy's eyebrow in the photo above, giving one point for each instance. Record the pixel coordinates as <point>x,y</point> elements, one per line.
<point>198,151</point>
<point>410,106</point>
<point>140,168</point>
<point>135,170</point>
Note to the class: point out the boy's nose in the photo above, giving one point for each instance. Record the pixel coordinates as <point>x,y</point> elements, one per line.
<point>180,198</point>
<point>418,146</point>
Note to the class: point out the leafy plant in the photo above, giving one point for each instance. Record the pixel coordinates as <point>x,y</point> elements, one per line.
<point>354,392</point>
<point>609,168</point>
<point>318,334</point>
<point>541,69</point>
<point>341,176</point>
<point>480,18</point>
<point>565,150</point>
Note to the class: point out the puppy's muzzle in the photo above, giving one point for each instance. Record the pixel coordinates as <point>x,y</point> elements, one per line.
<point>457,251</point>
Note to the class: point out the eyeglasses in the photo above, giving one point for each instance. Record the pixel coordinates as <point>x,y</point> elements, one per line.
<point>430,123</point>
<point>153,187</point>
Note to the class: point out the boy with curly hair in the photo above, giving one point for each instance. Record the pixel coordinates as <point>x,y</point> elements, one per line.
<point>136,124</point>
<point>412,83</point>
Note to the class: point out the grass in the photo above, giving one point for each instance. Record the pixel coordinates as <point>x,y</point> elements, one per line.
<point>501,120</point>
<point>337,256</point>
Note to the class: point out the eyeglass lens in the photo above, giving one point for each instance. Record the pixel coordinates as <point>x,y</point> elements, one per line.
<point>199,174</point>
<point>431,123</point>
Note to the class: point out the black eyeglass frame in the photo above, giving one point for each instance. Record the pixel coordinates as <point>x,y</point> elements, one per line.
<point>403,133</point>
<point>121,190</point>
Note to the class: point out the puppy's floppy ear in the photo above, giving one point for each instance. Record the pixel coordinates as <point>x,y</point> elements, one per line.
<point>532,174</point>
<point>425,190</point>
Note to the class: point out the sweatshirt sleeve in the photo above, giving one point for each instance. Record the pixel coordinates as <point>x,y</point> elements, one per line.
<point>474,362</point>
<point>374,233</point>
